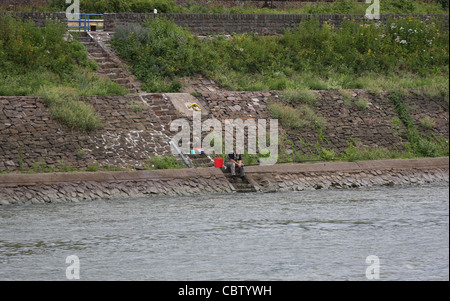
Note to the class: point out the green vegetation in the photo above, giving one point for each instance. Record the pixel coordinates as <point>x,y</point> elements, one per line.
<point>164,162</point>
<point>406,53</point>
<point>421,145</point>
<point>299,96</point>
<point>336,7</point>
<point>353,152</point>
<point>99,6</point>
<point>49,63</point>
<point>245,7</point>
<point>427,122</point>
<point>137,106</point>
<point>362,103</point>
<point>64,105</point>
<point>296,118</point>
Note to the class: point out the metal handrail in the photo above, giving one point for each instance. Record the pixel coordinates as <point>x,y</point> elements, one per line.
<point>84,22</point>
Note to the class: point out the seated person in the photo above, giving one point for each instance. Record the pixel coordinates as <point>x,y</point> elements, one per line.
<point>235,159</point>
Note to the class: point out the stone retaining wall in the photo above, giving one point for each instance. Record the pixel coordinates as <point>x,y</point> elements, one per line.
<point>371,127</point>
<point>205,24</point>
<point>39,18</point>
<point>346,175</point>
<point>29,136</point>
<point>75,187</point>
<point>209,24</point>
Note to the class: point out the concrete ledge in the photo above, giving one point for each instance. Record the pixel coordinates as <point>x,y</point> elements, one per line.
<point>13,180</point>
<point>398,164</point>
<point>75,187</point>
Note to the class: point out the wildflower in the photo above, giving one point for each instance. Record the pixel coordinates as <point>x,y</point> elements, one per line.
<point>362,33</point>
<point>403,42</point>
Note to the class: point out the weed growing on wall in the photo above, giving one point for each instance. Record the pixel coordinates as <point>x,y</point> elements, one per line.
<point>422,145</point>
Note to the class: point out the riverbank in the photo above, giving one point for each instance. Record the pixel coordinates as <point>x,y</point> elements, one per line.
<point>76,187</point>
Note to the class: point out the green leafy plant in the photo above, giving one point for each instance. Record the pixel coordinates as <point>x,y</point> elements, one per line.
<point>163,162</point>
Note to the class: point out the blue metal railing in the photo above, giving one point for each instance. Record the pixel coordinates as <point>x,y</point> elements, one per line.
<point>86,23</point>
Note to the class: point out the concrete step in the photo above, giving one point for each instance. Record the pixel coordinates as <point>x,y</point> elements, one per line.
<point>241,185</point>
<point>107,65</point>
<point>90,44</point>
<point>100,60</point>
<point>99,54</point>
<point>120,81</point>
<point>92,49</point>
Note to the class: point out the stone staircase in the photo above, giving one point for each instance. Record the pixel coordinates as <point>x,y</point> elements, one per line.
<point>107,67</point>
<point>200,160</point>
<point>240,185</point>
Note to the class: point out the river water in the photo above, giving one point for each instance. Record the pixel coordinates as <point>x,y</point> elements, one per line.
<point>308,235</point>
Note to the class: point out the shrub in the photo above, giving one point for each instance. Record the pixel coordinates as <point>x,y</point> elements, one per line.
<point>158,51</point>
<point>362,103</point>
<point>427,122</point>
<point>163,162</point>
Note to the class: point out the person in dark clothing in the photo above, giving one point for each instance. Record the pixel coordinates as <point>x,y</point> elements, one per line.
<point>235,159</point>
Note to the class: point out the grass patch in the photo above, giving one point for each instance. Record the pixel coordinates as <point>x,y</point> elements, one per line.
<point>362,103</point>
<point>427,123</point>
<point>296,118</point>
<point>137,106</point>
<point>163,162</point>
<point>293,96</point>
<point>64,105</point>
